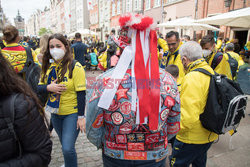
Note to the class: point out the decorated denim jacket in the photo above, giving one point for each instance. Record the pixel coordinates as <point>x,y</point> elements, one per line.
<point>115,130</point>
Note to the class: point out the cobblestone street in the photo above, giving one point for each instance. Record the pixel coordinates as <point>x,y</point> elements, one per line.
<point>88,155</point>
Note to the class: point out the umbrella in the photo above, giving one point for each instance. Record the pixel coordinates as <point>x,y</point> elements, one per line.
<point>237,18</point>
<point>187,23</point>
<point>83,32</point>
<point>86,32</point>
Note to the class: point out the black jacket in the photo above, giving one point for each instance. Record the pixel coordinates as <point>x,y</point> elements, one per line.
<point>80,52</point>
<point>32,134</point>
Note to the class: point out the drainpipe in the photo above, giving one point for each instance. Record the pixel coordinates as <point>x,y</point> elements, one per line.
<point>195,17</point>
<point>143,7</point>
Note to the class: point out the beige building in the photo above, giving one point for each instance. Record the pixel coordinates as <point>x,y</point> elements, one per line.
<point>104,17</point>
<point>1,19</point>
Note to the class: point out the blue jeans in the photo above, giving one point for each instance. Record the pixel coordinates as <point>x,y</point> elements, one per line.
<point>112,162</point>
<point>65,127</point>
<point>185,154</point>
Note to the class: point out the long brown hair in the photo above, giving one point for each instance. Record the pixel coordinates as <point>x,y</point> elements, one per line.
<point>11,83</point>
<point>66,62</point>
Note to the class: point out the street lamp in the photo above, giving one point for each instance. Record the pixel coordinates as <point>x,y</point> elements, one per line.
<point>163,12</point>
<point>102,32</point>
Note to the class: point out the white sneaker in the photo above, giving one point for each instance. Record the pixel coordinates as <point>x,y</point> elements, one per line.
<point>63,165</point>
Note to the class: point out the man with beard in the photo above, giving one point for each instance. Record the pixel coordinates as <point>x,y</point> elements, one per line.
<point>172,56</point>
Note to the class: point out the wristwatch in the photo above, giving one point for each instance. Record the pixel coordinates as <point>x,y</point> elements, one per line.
<point>79,117</point>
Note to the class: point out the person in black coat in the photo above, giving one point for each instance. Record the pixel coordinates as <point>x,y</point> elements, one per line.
<point>29,123</point>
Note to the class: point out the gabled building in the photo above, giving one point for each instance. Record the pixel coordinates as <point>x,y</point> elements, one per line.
<point>19,23</point>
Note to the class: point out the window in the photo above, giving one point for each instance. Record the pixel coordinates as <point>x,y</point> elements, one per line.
<point>118,7</point>
<point>157,3</point>
<point>136,4</point>
<point>148,4</point>
<point>123,6</point>
<point>128,6</point>
<point>113,9</point>
<point>170,1</point>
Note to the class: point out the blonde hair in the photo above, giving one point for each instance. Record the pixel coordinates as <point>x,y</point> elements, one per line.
<point>44,43</point>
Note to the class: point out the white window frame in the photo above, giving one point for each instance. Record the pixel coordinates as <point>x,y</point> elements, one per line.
<point>128,6</point>
<point>123,6</point>
<point>171,1</point>
<point>118,7</point>
<point>113,9</point>
<point>148,4</point>
<point>157,3</point>
<point>136,4</point>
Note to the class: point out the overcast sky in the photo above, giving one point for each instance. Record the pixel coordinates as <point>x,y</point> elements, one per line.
<point>26,7</point>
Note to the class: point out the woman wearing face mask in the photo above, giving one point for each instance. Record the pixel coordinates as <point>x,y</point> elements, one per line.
<point>64,80</point>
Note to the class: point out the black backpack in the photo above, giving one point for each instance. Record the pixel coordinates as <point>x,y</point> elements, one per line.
<point>226,104</point>
<point>32,75</point>
<point>233,65</point>
<point>214,62</point>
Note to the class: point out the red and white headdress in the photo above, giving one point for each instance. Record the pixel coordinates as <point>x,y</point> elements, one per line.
<point>141,53</point>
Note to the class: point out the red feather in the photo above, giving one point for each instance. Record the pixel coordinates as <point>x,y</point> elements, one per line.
<point>123,20</point>
<point>144,24</point>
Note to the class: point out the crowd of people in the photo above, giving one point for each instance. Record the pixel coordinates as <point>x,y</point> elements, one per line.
<point>134,126</point>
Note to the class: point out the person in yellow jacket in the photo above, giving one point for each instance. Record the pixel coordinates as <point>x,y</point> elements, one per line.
<point>163,44</point>
<point>102,58</point>
<point>14,52</point>
<point>193,140</point>
<point>219,43</point>
<point>247,46</point>
<point>216,60</point>
<point>172,56</point>
<point>224,43</point>
<point>229,49</point>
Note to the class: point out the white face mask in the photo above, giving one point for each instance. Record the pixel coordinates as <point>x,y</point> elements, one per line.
<point>57,53</point>
<point>206,53</point>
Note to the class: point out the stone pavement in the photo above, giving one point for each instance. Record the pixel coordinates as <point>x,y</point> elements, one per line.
<point>234,153</point>
<point>88,155</point>
<point>224,153</point>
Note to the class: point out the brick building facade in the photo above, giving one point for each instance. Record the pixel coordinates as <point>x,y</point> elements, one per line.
<point>166,10</point>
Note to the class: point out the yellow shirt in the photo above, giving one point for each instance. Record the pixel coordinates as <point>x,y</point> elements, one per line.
<point>237,57</point>
<point>68,99</point>
<point>223,67</point>
<point>37,51</point>
<point>163,44</point>
<point>219,43</point>
<point>248,45</point>
<point>176,62</point>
